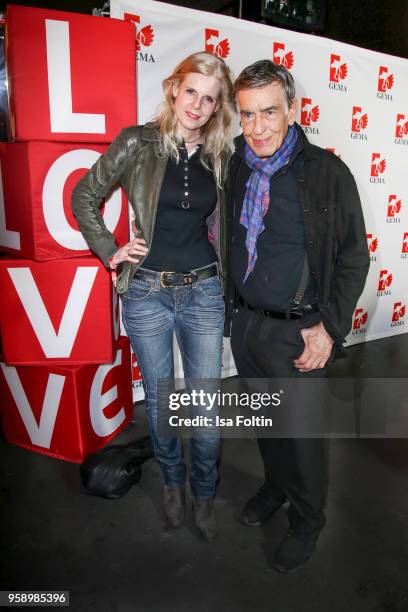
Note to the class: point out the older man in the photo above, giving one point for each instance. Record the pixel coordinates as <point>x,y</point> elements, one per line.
<point>298,265</point>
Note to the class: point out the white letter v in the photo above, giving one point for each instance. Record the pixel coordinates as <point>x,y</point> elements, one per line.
<point>54,344</point>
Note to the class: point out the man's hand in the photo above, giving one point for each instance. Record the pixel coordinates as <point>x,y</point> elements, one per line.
<point>318,346</point>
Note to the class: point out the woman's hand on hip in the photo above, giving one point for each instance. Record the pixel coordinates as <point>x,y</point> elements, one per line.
<point>129,252</point>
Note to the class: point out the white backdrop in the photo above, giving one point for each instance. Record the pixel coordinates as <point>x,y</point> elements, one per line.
<point>351,100</point>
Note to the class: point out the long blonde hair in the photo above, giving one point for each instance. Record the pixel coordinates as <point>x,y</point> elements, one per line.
<point>217,130</point>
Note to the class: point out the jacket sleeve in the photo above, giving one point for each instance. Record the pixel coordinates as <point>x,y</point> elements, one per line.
<point>351,262</point>
<point>89,193</point>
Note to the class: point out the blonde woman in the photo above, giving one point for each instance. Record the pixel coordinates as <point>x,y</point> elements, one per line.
<point>172,171</point>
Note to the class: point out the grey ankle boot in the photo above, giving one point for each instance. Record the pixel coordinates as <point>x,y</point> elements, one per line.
<point>204,519</point>
<point>174,500</point>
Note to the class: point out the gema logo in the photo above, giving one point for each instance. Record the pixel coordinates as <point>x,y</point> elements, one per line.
<point>360,320</point>
<point>372,245</point>
<point>214,45</point>
<point>404,247</point>
<point>385,83</point>
<point>338,73</point>
<point>378,166</point>
<point>393,209</point>
<point>401,130</point>
<point>281,56</point>
<point>144,38</point>
<point>359,123</point>
<point>309,114</point>
<point>398,314</point>
<point>384,282</point>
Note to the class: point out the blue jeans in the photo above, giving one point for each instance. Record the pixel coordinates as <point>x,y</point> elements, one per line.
<point>151,314</point>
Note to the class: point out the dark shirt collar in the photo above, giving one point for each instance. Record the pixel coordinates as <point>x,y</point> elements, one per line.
<point>197,147</point>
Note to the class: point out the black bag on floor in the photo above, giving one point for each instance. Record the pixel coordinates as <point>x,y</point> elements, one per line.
<point>112,471</point>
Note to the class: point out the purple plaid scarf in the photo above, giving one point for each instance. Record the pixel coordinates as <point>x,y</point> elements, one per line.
<point>256,201</point>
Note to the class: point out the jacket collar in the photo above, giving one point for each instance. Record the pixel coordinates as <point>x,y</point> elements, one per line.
<point>151,134</point>
<point>309,150</point>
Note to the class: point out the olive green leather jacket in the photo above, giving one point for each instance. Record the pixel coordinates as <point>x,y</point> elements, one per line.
<point>134,161</point>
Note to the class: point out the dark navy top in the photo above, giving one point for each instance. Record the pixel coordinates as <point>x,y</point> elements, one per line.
<point>188,196</point>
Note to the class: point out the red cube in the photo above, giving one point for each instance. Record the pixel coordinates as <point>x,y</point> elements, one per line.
<point>36,221</point>
<point>67,412</point>
<point>60,312</point>
<point>72,77</point>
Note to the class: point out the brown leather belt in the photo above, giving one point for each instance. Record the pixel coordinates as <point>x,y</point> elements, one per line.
<point>177,279</point>
<point>292,313</point>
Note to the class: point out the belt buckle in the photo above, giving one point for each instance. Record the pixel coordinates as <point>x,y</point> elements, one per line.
<point>163,283</point>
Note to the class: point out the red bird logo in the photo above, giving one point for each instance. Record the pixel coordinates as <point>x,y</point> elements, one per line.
<point>401,129</point>
<point>364,318</point>
<point>378,165</point>
<point>394,206</point>
<point>338,70</point>
<point>213,45</point>
<point>310,114</point>
<point>360,318</point>
<point>381,166</point>
<point>281,57</point>
<point>314,114</point>
<point>385,280</point>
<point>342,71</point>
<point>372,244</point>
<point>405,243</point>
<point>399,311</point>
<point>385,80</point>
<point>288,60</point>
<point>222,49</point>
<point>144,37</point>
<point>359,120</point>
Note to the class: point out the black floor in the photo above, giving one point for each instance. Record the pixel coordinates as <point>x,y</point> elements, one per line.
<point>116,556</point>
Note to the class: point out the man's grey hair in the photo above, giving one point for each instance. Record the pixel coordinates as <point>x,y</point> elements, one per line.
<point>265,72</point>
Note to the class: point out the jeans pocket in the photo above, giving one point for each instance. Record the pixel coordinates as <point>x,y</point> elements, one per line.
<point>210,287</point>
<point>138,291</point>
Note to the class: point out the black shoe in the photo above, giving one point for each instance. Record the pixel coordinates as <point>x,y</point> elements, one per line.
<point>260,507</point>
<point>204,519</point>
<point>174,500</point>
<point>293,552</point>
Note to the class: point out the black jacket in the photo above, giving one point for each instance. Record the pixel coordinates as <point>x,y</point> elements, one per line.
<point>336,241</point>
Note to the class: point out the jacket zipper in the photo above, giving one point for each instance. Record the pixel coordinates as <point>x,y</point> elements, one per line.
<point>219,247</point>
<point>231,223</point>
<point>156,206</point>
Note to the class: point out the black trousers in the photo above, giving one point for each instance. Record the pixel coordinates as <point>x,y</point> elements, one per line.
<point>296,469</point>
